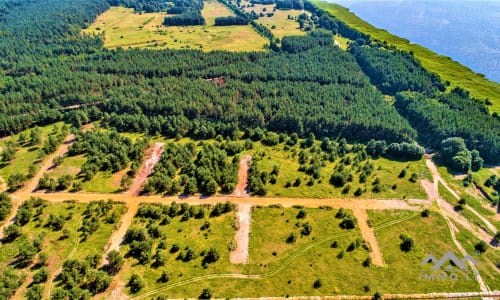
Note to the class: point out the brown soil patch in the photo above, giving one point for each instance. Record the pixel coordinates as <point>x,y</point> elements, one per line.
<point>242,236</point>
<point>241,189</point>
<point>146,169</point>
<point>369,236</point>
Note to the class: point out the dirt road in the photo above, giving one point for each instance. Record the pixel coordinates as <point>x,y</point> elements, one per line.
<point>369,236</point>
<point>241,187</point>
<point>242,236</point>
<point>146,169</point>
<point>31,185</point>
<point>47,164</point>
<point>450,211</point>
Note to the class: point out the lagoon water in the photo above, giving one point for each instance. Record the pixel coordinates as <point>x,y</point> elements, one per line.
<point>468,31</point>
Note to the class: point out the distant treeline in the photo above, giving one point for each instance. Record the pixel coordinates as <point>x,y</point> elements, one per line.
<point>230,20</point>
<point>306,86</point>
<point>188,18</point>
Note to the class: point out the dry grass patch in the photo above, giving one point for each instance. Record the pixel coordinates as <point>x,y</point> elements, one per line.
<point>121,27</point>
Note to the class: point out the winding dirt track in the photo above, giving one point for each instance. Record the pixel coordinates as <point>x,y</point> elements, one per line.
<point>31,185</point>
<point>448,214</point>
<point>450,211</point>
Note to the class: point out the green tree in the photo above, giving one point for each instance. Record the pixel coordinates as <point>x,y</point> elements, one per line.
<point>5,205</point>
<point>35,292</point>
<point>41,276</point>
<point>407,242</point>
<point>205,294</point>
<point>135,283</point>
<point>481,247</point>
<point>16,181</point>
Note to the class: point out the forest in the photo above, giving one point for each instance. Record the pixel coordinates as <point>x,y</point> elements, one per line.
<point>206,170</point>
<point>51,72</point>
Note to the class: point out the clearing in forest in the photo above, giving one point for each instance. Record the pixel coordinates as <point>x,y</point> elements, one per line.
<point>280,22</point>
<point>122,27</point>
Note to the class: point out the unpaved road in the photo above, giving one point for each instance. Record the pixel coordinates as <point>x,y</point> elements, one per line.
<point>47,164</point>
<point>241,189</point>
<point>117,236</point>
<point>368,235</point>
<point>146,169</point>
<point>31,185</point>
<point>242,236</point>
<point>450,211</point>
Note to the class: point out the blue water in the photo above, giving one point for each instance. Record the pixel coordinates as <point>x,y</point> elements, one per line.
<point>466,31</point>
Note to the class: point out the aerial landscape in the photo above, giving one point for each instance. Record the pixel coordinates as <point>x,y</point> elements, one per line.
<point>155,149</point>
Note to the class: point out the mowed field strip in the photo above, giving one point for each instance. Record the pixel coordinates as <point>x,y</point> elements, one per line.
<point>122,27</point>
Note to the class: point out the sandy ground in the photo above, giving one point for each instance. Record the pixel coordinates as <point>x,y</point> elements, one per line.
<point>369,236</point>
<point>241,187</point>
<point>47,164</point>
<point>450,215</point>
<point>242,236</point>
<point>146,169</point>
<point>117,236</point>
<point>450,211</point>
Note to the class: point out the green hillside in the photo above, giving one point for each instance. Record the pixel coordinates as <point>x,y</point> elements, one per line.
<point>445,67</point>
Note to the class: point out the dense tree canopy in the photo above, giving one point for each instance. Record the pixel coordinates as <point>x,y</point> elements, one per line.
<point>51,72</point>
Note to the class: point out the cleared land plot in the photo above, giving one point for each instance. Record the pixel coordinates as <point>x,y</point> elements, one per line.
<point>193,233</point>
<point>445,67</point>
<point>293,268</point>
<point>279,23</point>
<point>121,27</point>
<point>26,155</point>
<point>431,236</point>
<point>388,171</point>
<point>488,263</point>
<point>58,244</point>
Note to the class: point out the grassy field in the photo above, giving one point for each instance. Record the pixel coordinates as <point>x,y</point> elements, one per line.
<point>445,67</point>
<point>293,268</point>
<point>57,246</point>
<point>26,155</point>
<point>386,170</point>
<point>480,178</point>
<point>102,182</point>
<point>430,235</point>
<point>184,233</point>
<point>279,23</point>
<point>481,205</point>
<point>488,263</point>
<point>121,27</point>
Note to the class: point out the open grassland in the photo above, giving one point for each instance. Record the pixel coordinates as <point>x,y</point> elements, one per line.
<point>281,23</point>
<point>449,70</point>
<point>26,155</point>
<point>473,199</point>
<point>431,236</point>
<point>121,27</point>
<point>387,171</point>
<point>480,178</point>
<point>58,244</point>
<point>488,263</point>
<point>291,269</point>
<point>190,233</point>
